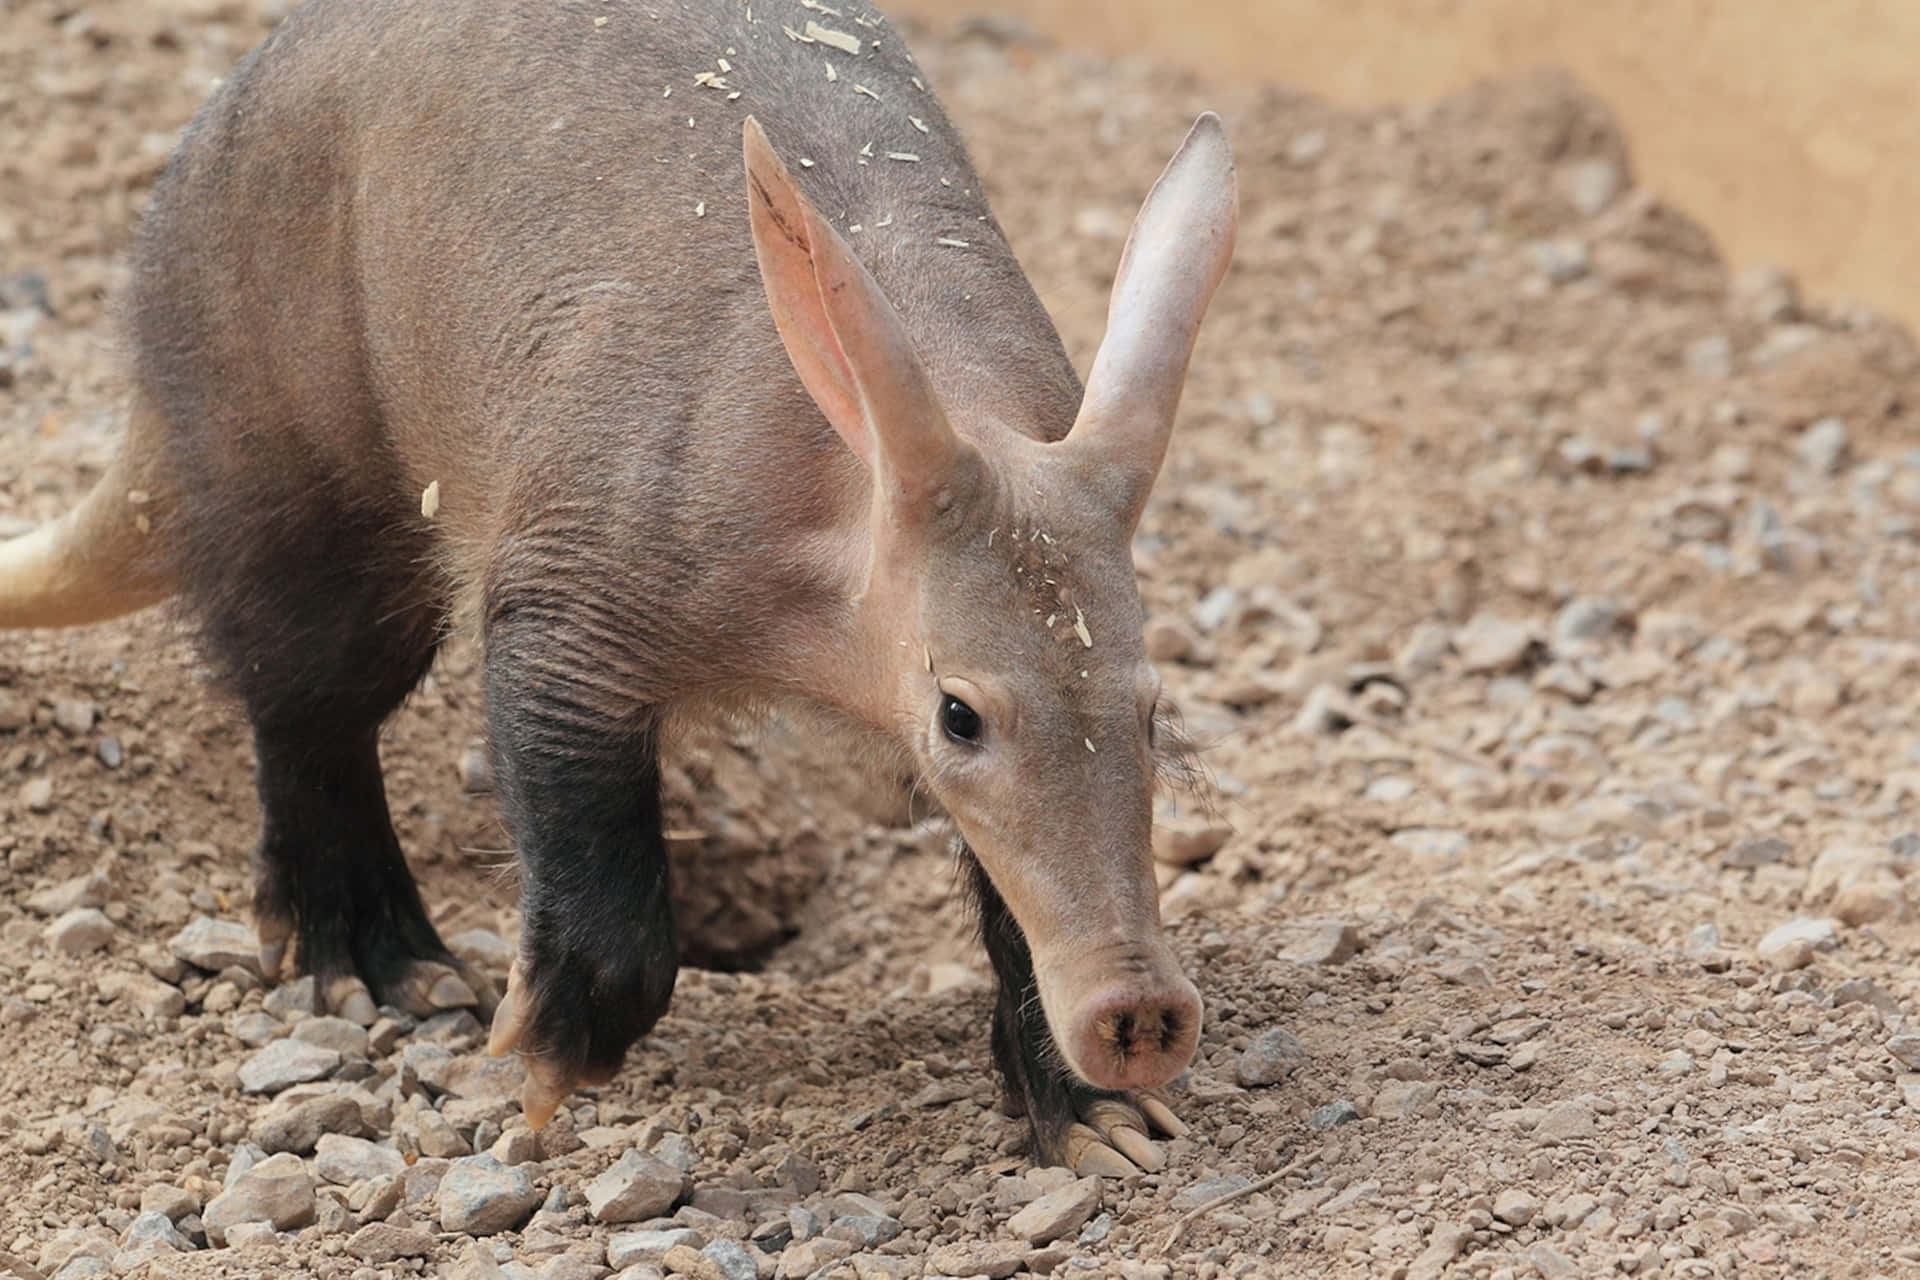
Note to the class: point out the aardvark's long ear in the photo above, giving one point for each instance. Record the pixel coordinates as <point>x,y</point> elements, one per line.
<point>1181,242</point>
<point>844,337</point>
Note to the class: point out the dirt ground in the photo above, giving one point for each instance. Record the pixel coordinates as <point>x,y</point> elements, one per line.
<point>1545,599</point>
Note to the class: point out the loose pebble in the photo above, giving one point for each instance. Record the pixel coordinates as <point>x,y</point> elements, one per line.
<point>480,1196</point>
<point>80,931</point>
<point>1058,1213</point>
<point>637,1187</point>
<point>284,1063</point>
<point>1274,1055</point>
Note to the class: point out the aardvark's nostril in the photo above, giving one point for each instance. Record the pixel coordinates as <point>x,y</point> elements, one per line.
<point>1129,1039</point>
<point>1146,1030</point>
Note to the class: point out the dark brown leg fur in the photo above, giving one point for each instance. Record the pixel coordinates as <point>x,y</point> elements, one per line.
<point>598,949</point>
<point>320,620</point>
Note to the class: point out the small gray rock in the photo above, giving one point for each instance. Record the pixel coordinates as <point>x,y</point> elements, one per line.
<point>1630,460</point>
<point>95,1242</point>
<point>150,1235</point>
<point>1791,945</point>
<point>347,1039</point>
<point>148,994</point>
<point>90,890</point>
<point>435,1136</point>
<point>36,795</point>
<point>1332,1115</point>
<point>214,945</point>
<point>1199,1193</point>
<point>1216,607</point>
<point>422,1180</point>
<point>1703,941</point>
<point>244,1157</point>
<point>563,1266</point>
<point>516,1146</point>
<point>1423,652</point>
<point>1494,646</point>
<point>276,1191</point>
<point>1560,260</point>
<point>1321,942</point>
<point>1584,618</point>
<point>733,1260</point>
<point>1058,1213</point>
<point>479,1196</point>
<point>631,1247</point>
<point>1711,356</point>
<point>1906,1049</point>
<point>1515,1207</point>
<point>866,1231</point>
<point>255,1029</point>
<point>993,1259</point>
<point>1823,446</point>
<point>298,1124</point>
<point>1436,845</point>
<point>291,1001</point>
<point>637,1187</point>
<point>1756,851</point>
<point>384,1036</point>
<point>251,1235</point>
<point>344,1161</point>
<point>471,1075</point>
<point>1448,1241</point>
<point>1591,185</point>
<point>1565,1122</point>
<point>376,1199</point>
<point>379,1242</point>
<point>1865,991</point>
<point>482,948</point>
<point>75,716</point>
<point>803,1223</point>
<point>284,1063</point>
<point>855,1204</point>
<point>174,1203</point>
<point>477,1263</point>
<point>1184,839</point>
<point>80,931</point>
<point>1275,1054</point>
<point>772,1236</point>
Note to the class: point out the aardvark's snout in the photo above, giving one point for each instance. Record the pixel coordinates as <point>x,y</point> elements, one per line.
<point>1133,1030</point>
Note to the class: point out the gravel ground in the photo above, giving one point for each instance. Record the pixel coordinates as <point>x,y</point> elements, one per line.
<point>1545,597</point>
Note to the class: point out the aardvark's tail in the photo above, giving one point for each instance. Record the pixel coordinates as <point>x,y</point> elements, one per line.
<point>96,562</point>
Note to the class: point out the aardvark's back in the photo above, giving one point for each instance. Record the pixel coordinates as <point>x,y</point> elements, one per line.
<point>404,232</point>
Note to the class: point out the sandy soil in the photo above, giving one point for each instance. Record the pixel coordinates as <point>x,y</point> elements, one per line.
<point>1779,123</point>
<point>1544,595</point>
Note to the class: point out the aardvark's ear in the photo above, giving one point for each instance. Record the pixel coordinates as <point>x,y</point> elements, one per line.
<point>1181,242</point>
<point>844,337</point>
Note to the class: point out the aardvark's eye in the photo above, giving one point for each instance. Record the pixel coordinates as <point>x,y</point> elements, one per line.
<point>961,721</point>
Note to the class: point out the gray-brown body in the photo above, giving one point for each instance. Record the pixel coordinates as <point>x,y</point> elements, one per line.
<point>466,312</point>
<point>358,279</point>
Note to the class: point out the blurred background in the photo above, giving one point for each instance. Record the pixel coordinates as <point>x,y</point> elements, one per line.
<point>1786,126</point>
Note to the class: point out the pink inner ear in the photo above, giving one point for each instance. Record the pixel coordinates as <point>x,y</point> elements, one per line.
<point>785,230</point>
<point>1181,243</point>
<point>845,339</point>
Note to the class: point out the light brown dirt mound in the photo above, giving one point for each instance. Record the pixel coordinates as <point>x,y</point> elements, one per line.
<point>1546,597</point>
